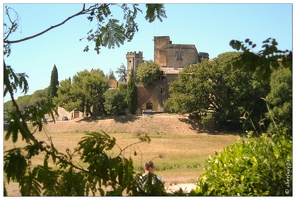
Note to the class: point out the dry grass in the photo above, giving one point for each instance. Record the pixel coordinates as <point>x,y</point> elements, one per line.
<point>182,155</point>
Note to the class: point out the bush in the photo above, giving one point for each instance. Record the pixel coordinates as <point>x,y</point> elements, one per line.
<point>250,167</point>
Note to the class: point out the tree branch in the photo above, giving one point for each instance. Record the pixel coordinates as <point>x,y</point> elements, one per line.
<point>10,90</point>
<point>82,12</point>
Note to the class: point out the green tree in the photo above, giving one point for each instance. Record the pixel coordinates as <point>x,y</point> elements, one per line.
<point>121,71</point>
<point>279,101</point>
<point>131,94</point>
<point>7,107</point>
<point>114,101</point>
<point>111,75</point>
<point>24,101</point>
<point>85,93</point>
<point>219,95</point>
<point>54,82</point>
<point>65,95</point>
<point>38,96</point>
<point>148,72</point>
<point>27,100</point>
<point>122,87</point>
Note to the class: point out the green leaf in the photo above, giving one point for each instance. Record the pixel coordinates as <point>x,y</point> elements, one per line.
<point>112,34</point>
<point>155,10</point>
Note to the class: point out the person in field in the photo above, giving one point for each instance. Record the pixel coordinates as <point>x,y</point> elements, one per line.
<point>149,184</point>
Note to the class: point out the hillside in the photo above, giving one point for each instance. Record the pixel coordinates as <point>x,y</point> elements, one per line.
<point>157,123</point>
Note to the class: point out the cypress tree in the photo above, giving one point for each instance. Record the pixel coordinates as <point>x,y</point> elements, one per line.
<point>131,94</point>
<point>111,75</point>
<point>54,82</point>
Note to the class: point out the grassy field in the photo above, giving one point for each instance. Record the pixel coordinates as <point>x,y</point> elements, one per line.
<point>178,158</point>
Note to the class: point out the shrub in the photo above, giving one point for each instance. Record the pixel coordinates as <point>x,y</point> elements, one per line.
<point>250,167</point>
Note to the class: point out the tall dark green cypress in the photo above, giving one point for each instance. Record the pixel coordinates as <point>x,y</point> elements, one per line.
<point>54,82</point>
<point>131,94</point>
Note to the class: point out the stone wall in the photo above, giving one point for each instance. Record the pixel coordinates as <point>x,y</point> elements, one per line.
<point>181,55</point>
<point>159,52</point>
<point>155,94</point>
<point>167,54</point>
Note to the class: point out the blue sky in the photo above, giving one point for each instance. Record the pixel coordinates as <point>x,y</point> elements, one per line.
<point>210,27</point>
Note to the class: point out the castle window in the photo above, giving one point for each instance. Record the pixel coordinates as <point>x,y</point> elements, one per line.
<point>179,55</point>
<point>162,77</point>
<point>162,90</point>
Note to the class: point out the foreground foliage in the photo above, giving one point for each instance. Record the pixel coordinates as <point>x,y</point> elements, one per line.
<point>259,166</point>
<point>60,175</point>
<point>106,31</point>
<point>251,167</point>
<point>263,62</point>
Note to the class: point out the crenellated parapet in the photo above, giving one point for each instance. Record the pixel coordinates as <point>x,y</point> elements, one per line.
<point>134,54</point>
<point>133,60</point>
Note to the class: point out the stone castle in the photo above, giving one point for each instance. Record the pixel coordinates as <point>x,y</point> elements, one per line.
<point>171,58</point>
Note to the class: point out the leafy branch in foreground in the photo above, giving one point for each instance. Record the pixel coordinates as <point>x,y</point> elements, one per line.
<point>59,175</point>
<point>107,32</point>
<point>265,61</point>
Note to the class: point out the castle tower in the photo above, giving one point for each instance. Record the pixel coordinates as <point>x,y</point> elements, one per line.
<point>133,61</point>
<point>159,51</point>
